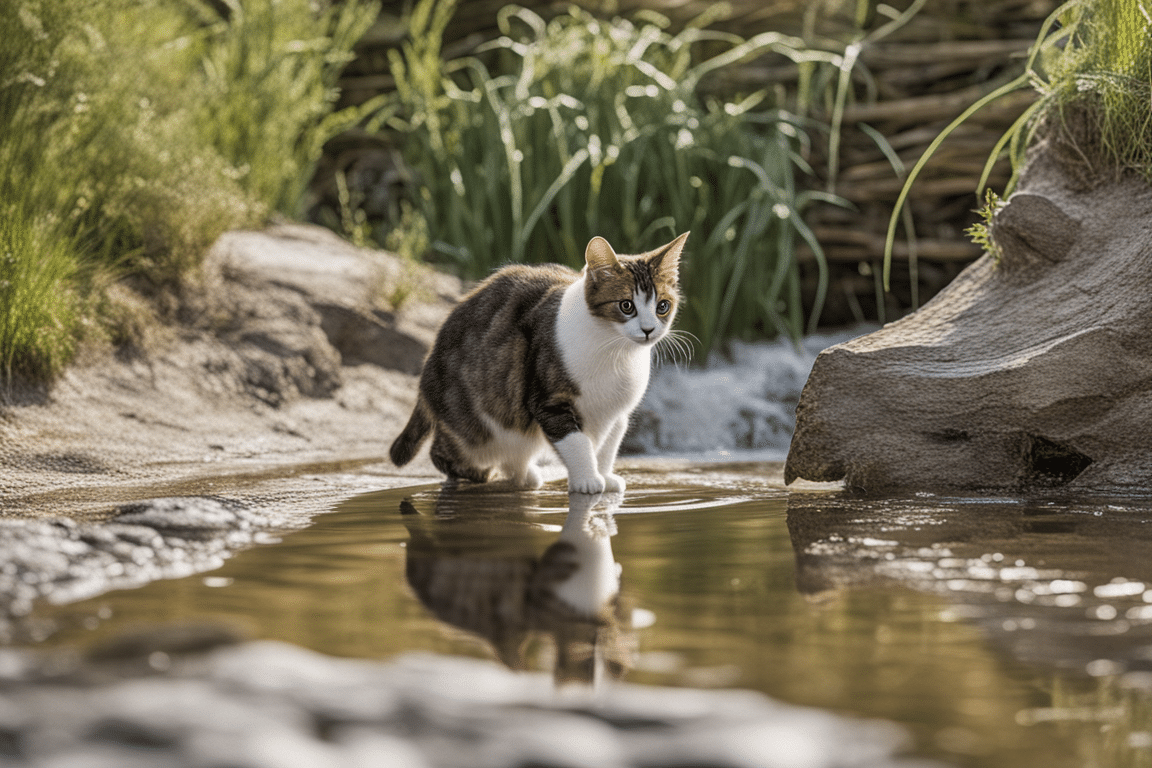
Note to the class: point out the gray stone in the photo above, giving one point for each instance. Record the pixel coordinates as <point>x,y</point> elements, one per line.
<point>1031,373</point>
<point>334,289</point>
<point>62,560</point>
<point>272,705</point>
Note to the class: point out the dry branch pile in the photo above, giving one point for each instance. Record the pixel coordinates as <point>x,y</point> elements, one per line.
<point>920,78</point>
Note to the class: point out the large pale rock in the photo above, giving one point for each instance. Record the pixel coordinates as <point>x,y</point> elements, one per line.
<point>312,302</point>
<point>1032,372</point>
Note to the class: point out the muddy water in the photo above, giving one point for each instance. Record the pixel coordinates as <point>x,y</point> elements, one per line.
<point>1000,632</point>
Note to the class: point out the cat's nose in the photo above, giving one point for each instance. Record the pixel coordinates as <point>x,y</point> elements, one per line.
<point>647,332</point>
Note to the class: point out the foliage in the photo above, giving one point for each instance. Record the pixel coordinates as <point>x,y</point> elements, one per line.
<point>114,160</point>
<point>590,127</point>
<point>1103,72</point>
<point>980,232</point>
<point>269,80</point>
<point>1092,66</point>
<point>37,303</point>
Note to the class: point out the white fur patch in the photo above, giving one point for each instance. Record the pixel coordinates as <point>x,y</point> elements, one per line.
<point>610,368</point>
<point>514,453</point>
<point>610,364</point>
<point>597,579</point>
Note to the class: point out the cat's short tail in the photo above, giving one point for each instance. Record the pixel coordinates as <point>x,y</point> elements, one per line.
<point>408,443</point>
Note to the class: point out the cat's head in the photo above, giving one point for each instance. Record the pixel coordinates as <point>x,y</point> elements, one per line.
<point>639,294</point>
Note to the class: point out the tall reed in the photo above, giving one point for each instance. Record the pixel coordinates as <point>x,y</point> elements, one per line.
<point>269,87</point>
<point>589,127</point>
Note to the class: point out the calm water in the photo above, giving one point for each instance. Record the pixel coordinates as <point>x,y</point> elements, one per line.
<point>1001,632</point>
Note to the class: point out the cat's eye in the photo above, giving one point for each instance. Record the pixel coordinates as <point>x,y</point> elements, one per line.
<point>663,306</point>
<point>627,307</point>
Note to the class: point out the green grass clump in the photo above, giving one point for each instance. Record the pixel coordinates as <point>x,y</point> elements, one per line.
<point>1103,74</point>
<point>37,301</point>
<point>134,132</point>
<point>268,87</point>
<point>587,127</point>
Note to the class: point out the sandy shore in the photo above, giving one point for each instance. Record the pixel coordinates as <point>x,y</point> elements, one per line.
<point>220,406</point>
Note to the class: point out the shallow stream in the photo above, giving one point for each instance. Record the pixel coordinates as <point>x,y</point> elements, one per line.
<point>998,631</point>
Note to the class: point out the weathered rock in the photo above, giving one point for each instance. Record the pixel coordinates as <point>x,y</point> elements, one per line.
<point>339,288</point>
<point>1028,373</point>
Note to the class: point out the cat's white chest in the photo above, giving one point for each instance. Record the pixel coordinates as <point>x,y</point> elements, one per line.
<point>610,371</point>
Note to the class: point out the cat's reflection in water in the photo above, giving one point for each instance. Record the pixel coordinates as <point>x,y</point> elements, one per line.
<point>491,576</point>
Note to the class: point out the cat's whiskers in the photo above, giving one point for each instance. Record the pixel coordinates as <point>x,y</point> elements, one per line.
<point>675,347</point>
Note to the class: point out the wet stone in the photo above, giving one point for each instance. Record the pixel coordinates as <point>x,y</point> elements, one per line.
<point>63,561</point>
<point>274,705</point>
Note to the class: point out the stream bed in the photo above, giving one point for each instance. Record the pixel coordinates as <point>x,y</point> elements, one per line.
<point>993,631</point>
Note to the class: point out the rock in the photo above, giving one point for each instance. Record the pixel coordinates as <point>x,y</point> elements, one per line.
<point>61,560</point>
<point>336,288</point>
<point>272,705</point>
<point>1030,373</point>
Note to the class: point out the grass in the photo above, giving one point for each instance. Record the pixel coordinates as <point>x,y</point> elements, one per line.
<point>269,87</point>
<point>134,132</point>
<point>37,302</point>
<point>1104,73</point>
<point>1092,66</point>
<point>585,127</point>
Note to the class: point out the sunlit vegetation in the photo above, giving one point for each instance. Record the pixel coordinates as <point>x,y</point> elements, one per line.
<point>582,126</point>
<point>133,133</point>
<point>1092,66</point>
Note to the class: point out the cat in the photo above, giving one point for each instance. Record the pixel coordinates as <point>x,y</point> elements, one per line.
<point>544,355</point>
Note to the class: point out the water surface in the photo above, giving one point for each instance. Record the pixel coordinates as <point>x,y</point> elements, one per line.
<point>1000,631</point>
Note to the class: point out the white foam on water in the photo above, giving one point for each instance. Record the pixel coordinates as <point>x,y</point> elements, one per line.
<point>741,403</point>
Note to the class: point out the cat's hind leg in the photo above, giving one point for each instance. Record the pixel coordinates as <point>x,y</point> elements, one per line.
<point>523,475</point>
<point>449,459</point>
<point>519,452</point>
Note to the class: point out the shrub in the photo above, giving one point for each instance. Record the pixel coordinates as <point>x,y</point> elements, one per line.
<point>37,300</point>
<point>269,87</point>
<point>134,132</point>
<point>1092,66</point>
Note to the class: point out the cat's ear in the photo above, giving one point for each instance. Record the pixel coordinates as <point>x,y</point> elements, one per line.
<point>666,260</point>
<point>600,257</point>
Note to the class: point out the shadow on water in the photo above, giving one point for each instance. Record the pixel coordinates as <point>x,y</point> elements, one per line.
<point>1000,632</point>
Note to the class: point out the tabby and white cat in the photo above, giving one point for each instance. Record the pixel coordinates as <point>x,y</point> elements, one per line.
<point>543,355</point>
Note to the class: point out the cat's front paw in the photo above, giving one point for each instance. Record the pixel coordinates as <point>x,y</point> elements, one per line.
<point>590,484</point>
<point>614,484</point>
